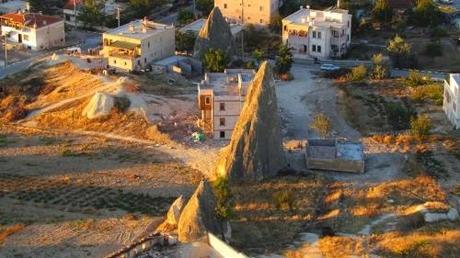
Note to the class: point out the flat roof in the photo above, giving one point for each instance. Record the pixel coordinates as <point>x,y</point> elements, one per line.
<point>226,83</point>
<point>332,149</point>
<point>196,26</point>
<point>319,18</point>
<point>139,29</point>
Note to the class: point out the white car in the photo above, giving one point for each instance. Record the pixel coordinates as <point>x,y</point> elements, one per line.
<point>329,67</point>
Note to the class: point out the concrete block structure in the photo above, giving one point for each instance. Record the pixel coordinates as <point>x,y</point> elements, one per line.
<point>318,34</point>
<point>220,98</point>
<point>33,30</point>
<point>334,155</point>
<point>136,44</point>
<point>257,12</point>
<point>452,99</point>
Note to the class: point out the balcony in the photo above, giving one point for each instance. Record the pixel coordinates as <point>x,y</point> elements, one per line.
<point>123,49</point>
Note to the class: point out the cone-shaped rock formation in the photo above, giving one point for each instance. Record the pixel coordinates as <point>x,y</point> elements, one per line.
<point>255,151</point>
<point>215,34</point>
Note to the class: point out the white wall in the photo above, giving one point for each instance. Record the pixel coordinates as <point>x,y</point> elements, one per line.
<point>41,38</point>
<point>452,100</point>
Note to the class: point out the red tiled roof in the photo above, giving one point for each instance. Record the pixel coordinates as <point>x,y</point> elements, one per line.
<point>30,19</point>
<point>70,4</point>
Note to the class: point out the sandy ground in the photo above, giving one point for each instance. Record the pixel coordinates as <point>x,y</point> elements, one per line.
<point>83,195</point>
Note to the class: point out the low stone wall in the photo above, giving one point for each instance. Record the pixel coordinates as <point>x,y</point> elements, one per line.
<point>143,245</point>
<point>223,248</point>
<point>355,166</point>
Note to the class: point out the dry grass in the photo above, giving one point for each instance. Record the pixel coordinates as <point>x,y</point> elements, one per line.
<point>260,224</point>
<point>9,230</point>
<point>427,242</point>
<point>336,247</point>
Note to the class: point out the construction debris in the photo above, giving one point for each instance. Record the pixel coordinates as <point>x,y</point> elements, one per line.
<point>255,151</point>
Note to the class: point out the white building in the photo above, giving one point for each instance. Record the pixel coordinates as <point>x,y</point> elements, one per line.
<point>12,6</point>
<point>318,34</point>
<point>221,97</point>
<point>257,12</point>
<point>138,43</point>
<point>33,30</point>
<point>195,27</point>
<point>452,99</point>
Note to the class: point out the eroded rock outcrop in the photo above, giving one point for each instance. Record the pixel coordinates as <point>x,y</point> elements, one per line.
<point>215,34</point>
<point>100,105</point>
<point>199,215</point>
<point>255,151</point>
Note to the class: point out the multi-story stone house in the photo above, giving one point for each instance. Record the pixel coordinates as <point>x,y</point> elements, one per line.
<point>257,12</point>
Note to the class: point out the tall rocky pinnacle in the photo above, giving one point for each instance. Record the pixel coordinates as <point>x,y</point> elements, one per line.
<point>215,34</point>
<point>199,215</point>
<point>255,151</point>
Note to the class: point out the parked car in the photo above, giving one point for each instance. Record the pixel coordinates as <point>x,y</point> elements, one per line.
<point>329,67</point>
<point>446,1</point>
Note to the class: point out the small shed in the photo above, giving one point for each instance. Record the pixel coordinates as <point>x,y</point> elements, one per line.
<point>335,155</point>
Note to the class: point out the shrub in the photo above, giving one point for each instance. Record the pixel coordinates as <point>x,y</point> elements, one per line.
<point>215,60</point>
<point>433,92</point>
<point>284,200</point>
<point>357,73</point>
<point>380,67</point>
<point>321,124</point>
<point>420,127</point>
<point>416,78</point>
<point>223,195</point>
<point>398,116</point>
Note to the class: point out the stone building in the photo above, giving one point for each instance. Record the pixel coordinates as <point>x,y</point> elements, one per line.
<point>318,34</point>
<point>220,98</point>
<point>452,99</point>
<point>257,12</point>
<point>136,44</point>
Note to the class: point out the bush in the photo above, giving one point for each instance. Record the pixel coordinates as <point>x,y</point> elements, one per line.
<point>223,196</point>
<point>433,92</point>
<point>380,67</point>
<point>420,127</point>
<point>357,73</point>
<point>416,78</point>
<point>322,125</point>
<point>284,200</point>
<point>398,116</point>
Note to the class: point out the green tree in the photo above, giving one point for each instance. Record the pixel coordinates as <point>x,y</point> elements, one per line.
<point>215,60</point>
<point>142,8</point>
<point>380,69</point>
<point>322,125</point>
<point>382,11</point>
<point>90,14</point>
<point>185,41</point>
<point>223,197</point>
<point>284,60</point>
<point>205,6</point>
<point>426,13</point>
<point>399,50</point>
<point>258,55</point>
<point>185,16</point>
<point>420,127</point>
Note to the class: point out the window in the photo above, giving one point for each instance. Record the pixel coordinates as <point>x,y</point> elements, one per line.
<point>335,34</point>
<point>114,61</point>
<point>145,60</point>
<point>148,44</point>
<point>207,100</point>
<point>222,121</point>
<point>222,106</point>
<point>222,134</point>
<point>261,21</point>
<point>261,8</point>
<point>314,34</point>
<point>454,106</point>
<point>313,48</point>
<point>319,34</point>
<point>225,6</point>
<point>318,49</point>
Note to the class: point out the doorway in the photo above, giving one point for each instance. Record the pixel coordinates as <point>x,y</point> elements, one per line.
<point>20,38</point>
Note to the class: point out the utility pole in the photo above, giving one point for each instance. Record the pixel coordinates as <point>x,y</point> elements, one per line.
<point>118,15</point>
<point>6,51</point>
<point>75,12</point>
<point>242,30</point>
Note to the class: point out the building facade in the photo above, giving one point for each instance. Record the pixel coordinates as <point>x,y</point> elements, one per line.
<point>221,98</point>
<point>34,31</point>
<point>135,45</point>
<point>318,34</point>
<point>257,12</point>
<point>452,99</point>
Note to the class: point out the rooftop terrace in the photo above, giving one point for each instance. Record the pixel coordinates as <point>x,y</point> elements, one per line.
<point>231,82</point>
<point>139,29</point>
